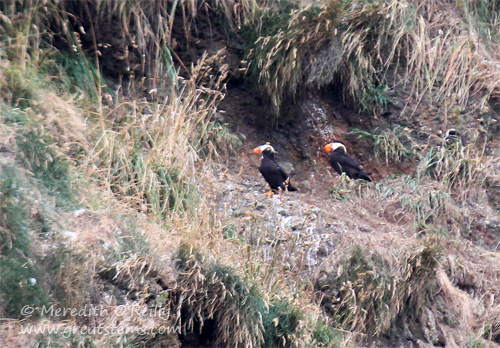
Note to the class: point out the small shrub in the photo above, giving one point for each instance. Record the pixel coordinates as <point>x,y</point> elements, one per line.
<point>325,336</point>
<point>281,323</point>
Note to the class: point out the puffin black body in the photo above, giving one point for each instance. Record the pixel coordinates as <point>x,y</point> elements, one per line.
<point>271,171</point>
<point>343,163</point>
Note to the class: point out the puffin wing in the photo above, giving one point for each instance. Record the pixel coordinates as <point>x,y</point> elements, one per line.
<point>353,169</point>
<point>286,180</point>
<point>343,163</point>
<point>347,161</point>
<point>335,165</point>
<point>283,174</point>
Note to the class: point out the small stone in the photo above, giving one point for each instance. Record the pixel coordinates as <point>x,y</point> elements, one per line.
<point>78,212</point>
<point>69,234</point>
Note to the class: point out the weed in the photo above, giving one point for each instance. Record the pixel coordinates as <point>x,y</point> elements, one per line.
<point>73,72</point>
<point>339,194</point>
<point>215,141</point>
<point>17,267</point>
<point>148,157</point>
<point>455,166</point>
<point>376,99</point>
<point>131,241</point>
<point>37,153</point>
<point>229,231</point>
<point>492,331</point>
<point>484,16</point>
<point>395,144</point>
<point>475,343</point>
<point>325,336</point>
<point>66,338</point>
<point>429,207</point>
<point>280,323</point>
<point>20,286</point>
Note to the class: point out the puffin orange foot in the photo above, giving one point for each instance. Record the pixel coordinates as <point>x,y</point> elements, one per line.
<point>270,193</point>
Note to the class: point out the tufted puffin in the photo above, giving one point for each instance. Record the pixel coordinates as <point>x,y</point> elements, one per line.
<point>453,137</point>
<point>343,163</point>
<point>271,171</point>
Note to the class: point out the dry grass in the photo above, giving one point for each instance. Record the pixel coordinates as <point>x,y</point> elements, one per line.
<point>216,292</point>
<point>372,47</point>
<point>134,156</point>
<point>279,57</point>
<point>365,291</point>
<point>461,170</point>
<point>149,153</point>
<point>440,49</point>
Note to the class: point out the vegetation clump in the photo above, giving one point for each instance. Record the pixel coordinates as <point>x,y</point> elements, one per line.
<point>368,291</point>
<point>211,291</point>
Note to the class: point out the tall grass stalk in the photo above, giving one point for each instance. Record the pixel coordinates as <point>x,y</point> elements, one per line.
<point>149,153</point>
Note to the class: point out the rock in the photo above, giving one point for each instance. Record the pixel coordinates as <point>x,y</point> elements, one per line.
<point>306,185</point>
<point>78,212</point>
<point>69,234</point>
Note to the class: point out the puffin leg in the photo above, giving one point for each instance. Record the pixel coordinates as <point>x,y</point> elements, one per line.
<point>269,194</point>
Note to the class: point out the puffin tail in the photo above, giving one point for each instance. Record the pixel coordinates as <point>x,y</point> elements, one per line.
<point>364,176</point>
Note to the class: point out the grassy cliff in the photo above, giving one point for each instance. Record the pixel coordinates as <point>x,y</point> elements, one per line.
<point>130,213</point>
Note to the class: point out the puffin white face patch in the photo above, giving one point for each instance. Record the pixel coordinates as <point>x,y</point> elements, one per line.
<point>266,147</point>
<point>335,146</point>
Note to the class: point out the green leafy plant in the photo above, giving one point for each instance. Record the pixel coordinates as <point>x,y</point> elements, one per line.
<point>395,145</point>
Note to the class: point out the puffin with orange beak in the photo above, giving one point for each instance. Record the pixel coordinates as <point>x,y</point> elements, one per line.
<point>343,163</point>
<point>271,171</point>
